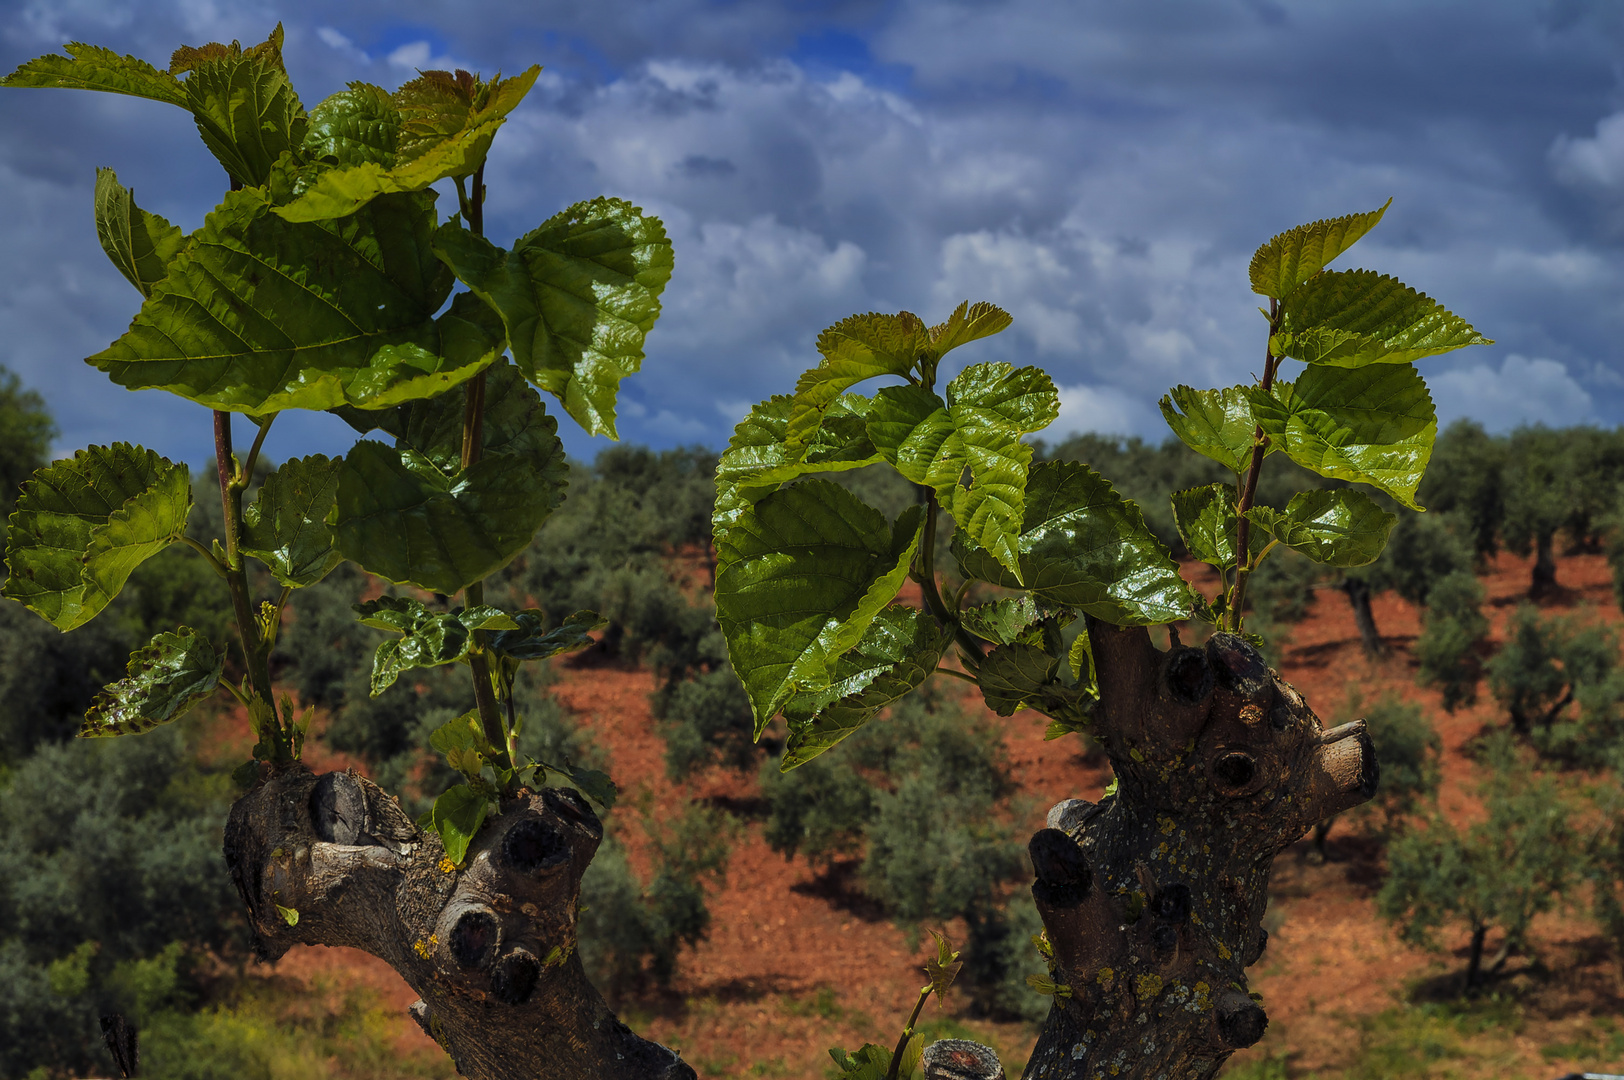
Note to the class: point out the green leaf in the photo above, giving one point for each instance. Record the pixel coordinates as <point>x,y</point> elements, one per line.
<point>429,638</point>
<point>992,406</point>
<point>969,322</point>
<point>457,815</point>
<point>400,516</point>
<point>357,126</point>
<point>515,419</point>
<point>140,244</point>
<point>285,527</point>
<point>259,315</point>
<point>244,105</point>
<point>979,428</point>
<point>164,679</point>
<point>1002,622</point>
<point>1372,425</point>
<point>1015,677</point>
<point>870,1063</point>
<point>1340,527</point>
<point>289,915</point>
<point>1206,519</point>
<point>759,459</point>
<point>855,349</point>
<point>1217,423</point>
<point>592,783</point>
<point>1351,318</point>
<point>1296,255</point>
<point>91,67</point>
<point>530,640</point>
<point>463,742</point>
<point>799,577</point>
<point>1085,547</point>
<point>896,654</point>
<point>578,295</point>
<point>82,525</point>
<point>433,128</point>
<point>942,969</point>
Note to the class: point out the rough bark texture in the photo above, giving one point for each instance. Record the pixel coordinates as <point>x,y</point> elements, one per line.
<point>1152,898</point>
<point>490,947</point>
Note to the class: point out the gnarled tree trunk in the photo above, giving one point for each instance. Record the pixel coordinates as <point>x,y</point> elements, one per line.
<point>1151,898</point>
<point>490,947</point>
<point>1357,590</point>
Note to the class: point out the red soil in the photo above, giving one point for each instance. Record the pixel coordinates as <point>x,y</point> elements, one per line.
<point>796,963</point>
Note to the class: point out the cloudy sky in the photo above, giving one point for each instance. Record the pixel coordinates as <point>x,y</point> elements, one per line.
<point>1102,170</point>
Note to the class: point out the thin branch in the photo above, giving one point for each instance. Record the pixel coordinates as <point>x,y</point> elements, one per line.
<point>207,554</point>
<point>1260,445</point>
<point>957,675</point>
<point>253,451</point>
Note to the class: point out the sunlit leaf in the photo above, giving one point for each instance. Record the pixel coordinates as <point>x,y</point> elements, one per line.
<point>1003,621</point>
<point>1356,317</point>
<point>1340,527</point>
<point>1084,547</point>
<point>359,125</point>
<point>431,129</point>
<point>578,295</point>
<point>140,244</point>
<point>799,577</point>
<point>530,640</point>
<point>759,458</point>
<point>245,106</point>
<point>1207,522</point>
<point>1217,423</point>
<point>82,525</point>
<point>1296,255</point>
<point>855,349</point>
<point>895,655</point>
<point>91,67</point>
<point>164,680</point>
<point>258,314</point>
<point>1373,425</point>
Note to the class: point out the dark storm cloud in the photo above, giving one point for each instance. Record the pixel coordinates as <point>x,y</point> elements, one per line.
<point>1103,170</point>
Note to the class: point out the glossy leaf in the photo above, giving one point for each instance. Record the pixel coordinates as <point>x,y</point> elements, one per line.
<point>1373,425</point>
<point>1217,423</point>
<point>799,577</point>
<point>1015,676</point>
<point>1340,527</point>
<point>1085,547</point>
<point>1206,519</point>
<point>896,654</point>
<point>399,516</point>
<point>91,67</point>
<point>868,1063</point>
<point>433,128</point>
<point>259,315</point>
<point>759,459</point>
<point>457,815</point>
<point>428,638</point>
<point>855,349</point>
<point>1296,255</point>
<point>578,295</point>
<point>359,125</point>
<point>1003,621</point>
<point>140,244</point>
<point>530,640</point>
<point>1356,317</point>
<point>285,527</point>
<point>82,525</point>
<point>245,106</point>
<point>992,406</point>
<point>164,680</point>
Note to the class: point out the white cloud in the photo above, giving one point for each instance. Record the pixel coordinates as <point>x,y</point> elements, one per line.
<point>1593,162</point>
<point>1105,410</point>
<point>1522,391</point>
<point>419,56</point>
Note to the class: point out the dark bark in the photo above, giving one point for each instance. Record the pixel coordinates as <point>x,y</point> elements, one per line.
<point>490,947</point>
<point>1474,956</point>
<point>1543,582</point>
<point>1357,590</point>
<point>1152,898</point>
